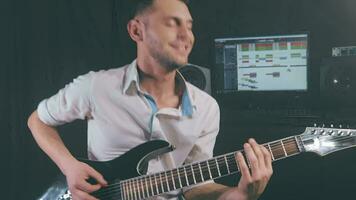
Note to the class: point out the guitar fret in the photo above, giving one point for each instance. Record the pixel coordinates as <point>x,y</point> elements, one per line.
<point>179,177</point>
<point>207,164</point>
<point>284,149</point>
<point>201,172</point>
<point>205,170</point>
<point>270,150</point>
<point>213,167</point>
<point>139,188</point>
<point>126,191</point>
<point>130,190</point>
<point>145,189</point>
<point>174,184</point>
<point>176,178</point>
<point>134,190</point>
<point>195,181</point>
<point>222,166</point>
<point>122,188</point>
<point>156,184</point>
<point>227,165</point>
<point>166,177</point>
<point>161,181</point>
<point>186,176</point>
<point>149,178</point>
<point>165,174</point>
<point>277,150</point>
<point>232,160</point>
<point>146,184</point>
<point>298,145</point>
<point>197,173</point>
<point>217,166</point>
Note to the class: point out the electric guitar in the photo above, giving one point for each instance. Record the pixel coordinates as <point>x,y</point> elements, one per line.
<point>127,174</point>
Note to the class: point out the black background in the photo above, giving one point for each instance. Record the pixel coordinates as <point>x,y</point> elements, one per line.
<point>45,44</point>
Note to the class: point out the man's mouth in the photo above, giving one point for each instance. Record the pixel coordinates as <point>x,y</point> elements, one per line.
<point>182,48</point>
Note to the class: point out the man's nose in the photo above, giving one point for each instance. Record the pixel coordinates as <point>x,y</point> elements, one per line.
<point>184,32</point>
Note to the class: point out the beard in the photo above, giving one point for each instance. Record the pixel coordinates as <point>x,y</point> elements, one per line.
<point>168,61</point>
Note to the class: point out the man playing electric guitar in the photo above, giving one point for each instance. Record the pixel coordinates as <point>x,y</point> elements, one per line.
<point>142,101</point>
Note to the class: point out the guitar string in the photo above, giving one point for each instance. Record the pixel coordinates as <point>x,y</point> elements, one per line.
<point>139,182</point>
<point>174,174</point>
<point>144,192</point>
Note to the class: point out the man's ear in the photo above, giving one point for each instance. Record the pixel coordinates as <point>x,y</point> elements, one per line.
<point>134,27</point>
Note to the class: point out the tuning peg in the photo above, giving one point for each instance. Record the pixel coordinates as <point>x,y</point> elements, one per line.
<point>331,125</point>
<point>330,132</point>
<point>322,132</point>
<point>340,133</point>
<point>313,131</point>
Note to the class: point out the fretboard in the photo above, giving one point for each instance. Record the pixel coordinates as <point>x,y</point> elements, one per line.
<point>154,184</point>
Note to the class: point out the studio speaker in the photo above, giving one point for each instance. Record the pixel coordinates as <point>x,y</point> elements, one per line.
<point>338,81</point>
<point>198,76</point>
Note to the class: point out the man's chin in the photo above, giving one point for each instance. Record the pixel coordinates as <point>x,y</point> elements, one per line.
<point>174,62</point>
<point>182,62</point>
<point>175,65</point>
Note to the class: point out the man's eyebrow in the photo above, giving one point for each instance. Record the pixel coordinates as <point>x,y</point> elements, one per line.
<point>190,21</point>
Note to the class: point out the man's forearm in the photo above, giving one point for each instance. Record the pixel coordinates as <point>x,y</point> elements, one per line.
<point>49,141</point>
<point>210,191</point>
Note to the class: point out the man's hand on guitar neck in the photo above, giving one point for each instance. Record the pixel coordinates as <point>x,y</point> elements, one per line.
<point>77,174</point>
<point>253,181</point>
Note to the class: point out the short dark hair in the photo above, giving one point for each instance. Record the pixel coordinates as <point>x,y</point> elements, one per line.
<point>142,5</point>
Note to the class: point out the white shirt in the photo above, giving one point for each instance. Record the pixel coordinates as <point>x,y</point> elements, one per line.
<point>120,116</point>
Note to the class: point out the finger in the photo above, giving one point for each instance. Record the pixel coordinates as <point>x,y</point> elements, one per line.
<point>87,187</point>
<point>97,176</point>
<point>245,172</point>
<point>251,158</point>
<point>257,149</point>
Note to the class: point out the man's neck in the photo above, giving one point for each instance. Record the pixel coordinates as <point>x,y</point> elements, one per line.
<point>159,83</point>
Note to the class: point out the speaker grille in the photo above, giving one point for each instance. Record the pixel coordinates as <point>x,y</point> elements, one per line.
<point>196,75</point>
<point>338,81</point>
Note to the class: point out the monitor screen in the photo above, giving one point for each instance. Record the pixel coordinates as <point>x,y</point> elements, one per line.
<point>263,63</point>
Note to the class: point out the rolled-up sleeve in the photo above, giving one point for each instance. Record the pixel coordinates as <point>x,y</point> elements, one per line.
<point>70,103</point>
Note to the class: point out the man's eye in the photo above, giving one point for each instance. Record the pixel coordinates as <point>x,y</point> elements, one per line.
<point>171,23</point>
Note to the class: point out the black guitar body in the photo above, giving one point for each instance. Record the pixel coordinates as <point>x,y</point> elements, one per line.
<point>131,164</point>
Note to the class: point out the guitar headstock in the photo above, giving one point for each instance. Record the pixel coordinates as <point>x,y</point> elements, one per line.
<point>327,140</point>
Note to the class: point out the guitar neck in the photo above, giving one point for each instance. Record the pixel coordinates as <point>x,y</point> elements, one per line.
<point>191,174</point>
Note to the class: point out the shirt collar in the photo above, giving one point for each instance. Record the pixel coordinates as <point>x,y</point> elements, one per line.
<point>131,80</point>
<point>131,85</point>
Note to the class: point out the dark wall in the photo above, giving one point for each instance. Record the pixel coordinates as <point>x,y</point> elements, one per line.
<point>46,44</point>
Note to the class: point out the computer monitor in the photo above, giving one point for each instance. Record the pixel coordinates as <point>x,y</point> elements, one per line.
<point>261,63</point>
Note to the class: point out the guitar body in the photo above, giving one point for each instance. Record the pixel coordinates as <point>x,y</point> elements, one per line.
<point>131,164</point>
